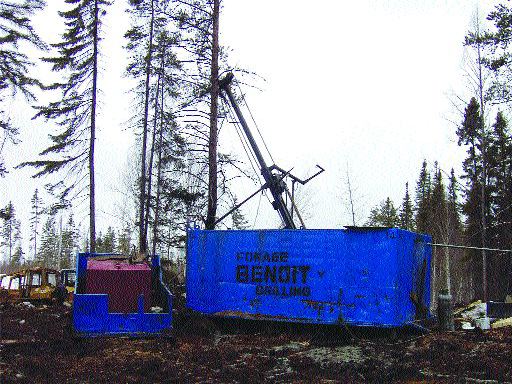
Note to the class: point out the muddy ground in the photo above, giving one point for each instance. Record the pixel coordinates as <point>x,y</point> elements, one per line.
<point>37,346</point>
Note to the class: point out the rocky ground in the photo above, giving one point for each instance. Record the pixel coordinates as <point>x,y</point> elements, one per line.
<point>37,346</point>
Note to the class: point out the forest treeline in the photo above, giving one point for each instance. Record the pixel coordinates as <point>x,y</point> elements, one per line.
<point>476,209</point>
<point>175,59</point>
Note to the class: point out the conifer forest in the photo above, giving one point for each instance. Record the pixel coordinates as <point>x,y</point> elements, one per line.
<point>179,174</point>
<point>174,61</point>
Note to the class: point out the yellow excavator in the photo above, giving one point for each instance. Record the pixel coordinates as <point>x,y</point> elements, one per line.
<point>67,278</point>
<point>10,289</point>
<point>33,284</point>
<point>40,284</point>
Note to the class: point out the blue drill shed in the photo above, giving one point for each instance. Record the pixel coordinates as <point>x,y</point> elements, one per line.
<point>358,276</point>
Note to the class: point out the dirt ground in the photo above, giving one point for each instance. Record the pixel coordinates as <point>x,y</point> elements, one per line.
<point>37,346</point>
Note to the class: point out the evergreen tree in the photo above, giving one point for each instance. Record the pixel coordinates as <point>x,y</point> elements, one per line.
<point>453,195</point>
<point>141,65</point>
<point>213,136</point>
<point>124,240</point>
<point>470,134</point>
<point>72,149</point>
<point>438,204</point>
<point>109,241</point>
<point>440,232</point>
<point>168,144</point>
<point>406,211</point>
<point>4,214</point>
<point>497,56</point>
<point>35,219</point>
<point>423,201</point>
<point>461,268</point>
<point>99,243</point>
<point>500,197</point>
<point>238,218</point>
<point>152,42</point>
<point>384,215</point>
<point>8,232</point>
<point>162,86</point>
<point>69,239</point>
<point>199,23</point>
<point>17,256</point>
<point>15,29</point>
<point>48,251</point>
<point>475,208</point>
<point>500,182</point>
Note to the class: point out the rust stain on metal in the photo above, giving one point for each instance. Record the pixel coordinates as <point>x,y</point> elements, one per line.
<point>257,316</point>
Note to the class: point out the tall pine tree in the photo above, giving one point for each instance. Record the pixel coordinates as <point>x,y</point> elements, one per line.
<point>8,231</point>
<point>69,242</point>
<point>72,150</point>
<point>406,211</point>
<point>16,31</point>
<point>152,44</point>
<point>35,218</point>
<point>384,215</point>
<point>471,134</point>
<point>460,266</point>
<point>17,256</point>
<point>497,58</point>
<point>500,197</point>
<point>423,201</point>
<point>440,232</point>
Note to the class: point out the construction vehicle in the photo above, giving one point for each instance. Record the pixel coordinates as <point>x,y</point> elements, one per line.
<point>68,278</point>
<point>118,296</point>
<point>33,284</point>
<point>40,284</point>
<point>10,290</point>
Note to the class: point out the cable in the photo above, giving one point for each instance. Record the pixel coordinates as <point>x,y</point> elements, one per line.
<point>466,189</point>
<point>251,157</point>
<point>257,212</point>
<point>254,121</point>
<point>469,247</point>
<point>249,153</point>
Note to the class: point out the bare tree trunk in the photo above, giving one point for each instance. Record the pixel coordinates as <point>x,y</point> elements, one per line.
<point>159,169</point>
<point>36,221</point>
<point>212,145</point>
<point>351,201</point>
<point>484,171</point>
<point>151,155</point>
<point>10,243</point>
<point>447,270</point>
<point>92,202</point>
<point>142,197</point>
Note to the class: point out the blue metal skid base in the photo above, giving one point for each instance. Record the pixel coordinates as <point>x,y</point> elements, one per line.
<point>90,311</point>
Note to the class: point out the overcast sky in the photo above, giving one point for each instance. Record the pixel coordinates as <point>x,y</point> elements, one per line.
<point>359,84</point>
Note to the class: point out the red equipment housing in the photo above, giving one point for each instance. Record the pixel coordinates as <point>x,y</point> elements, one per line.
<point>122,282</point>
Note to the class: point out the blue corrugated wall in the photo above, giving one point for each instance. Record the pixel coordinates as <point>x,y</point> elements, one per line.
<point>357,276</point>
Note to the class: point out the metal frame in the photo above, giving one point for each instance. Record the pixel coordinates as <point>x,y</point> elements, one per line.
<point>274,181</point>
